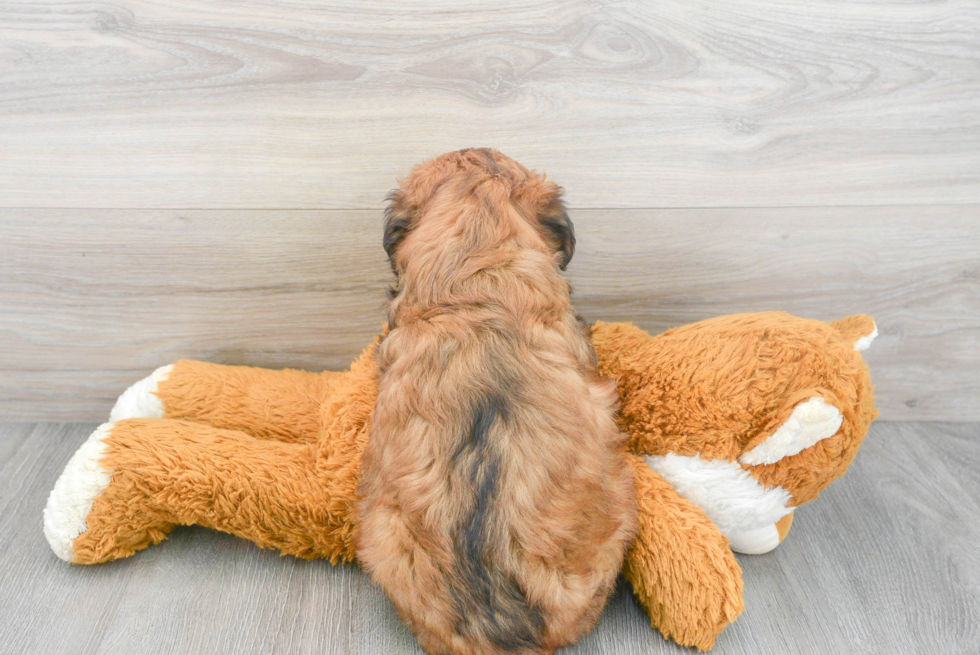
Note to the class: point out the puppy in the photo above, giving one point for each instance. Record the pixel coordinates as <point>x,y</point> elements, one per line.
<point>495,501</point>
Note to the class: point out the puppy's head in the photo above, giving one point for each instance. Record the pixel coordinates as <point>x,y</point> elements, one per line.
<point>477,197</point>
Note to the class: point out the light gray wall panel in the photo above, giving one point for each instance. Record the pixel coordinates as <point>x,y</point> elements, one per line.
<point>270,104</point>
<point>92,300</point>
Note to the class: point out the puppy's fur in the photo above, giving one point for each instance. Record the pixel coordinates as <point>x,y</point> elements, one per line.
<point>496,505</point>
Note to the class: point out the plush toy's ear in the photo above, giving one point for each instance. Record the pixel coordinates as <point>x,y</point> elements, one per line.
<point>398,221</point>
<point>557,226</point>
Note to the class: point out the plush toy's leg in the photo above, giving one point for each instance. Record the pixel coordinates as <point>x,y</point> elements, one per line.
<point>282,405</point>
<point>681,567</point>
<point>133,480</point>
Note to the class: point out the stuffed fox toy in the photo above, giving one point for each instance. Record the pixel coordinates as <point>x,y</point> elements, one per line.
<point>732,423</point>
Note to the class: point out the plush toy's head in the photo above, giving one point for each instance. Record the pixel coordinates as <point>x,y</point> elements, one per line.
<point>748,416</point>
<point>807,448</point>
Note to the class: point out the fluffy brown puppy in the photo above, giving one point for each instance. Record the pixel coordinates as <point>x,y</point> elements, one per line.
<point>496,502</point>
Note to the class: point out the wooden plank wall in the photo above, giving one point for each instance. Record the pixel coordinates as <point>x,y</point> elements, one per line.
<point>205,180</point>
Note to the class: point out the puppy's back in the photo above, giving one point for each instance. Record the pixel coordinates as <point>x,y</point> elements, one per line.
<point>498,507</point>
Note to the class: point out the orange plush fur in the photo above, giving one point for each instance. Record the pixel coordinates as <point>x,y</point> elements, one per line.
<point>275,456</point>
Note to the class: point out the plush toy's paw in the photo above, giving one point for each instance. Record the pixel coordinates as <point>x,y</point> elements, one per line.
<point>761,540</point>
<point>97,511</point>
<point>83,480</point>
<point>141,400</point>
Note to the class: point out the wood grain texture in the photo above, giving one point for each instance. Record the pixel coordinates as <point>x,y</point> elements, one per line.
<point>271,104</point>
<point>886,561</point>
<point>92,300</point>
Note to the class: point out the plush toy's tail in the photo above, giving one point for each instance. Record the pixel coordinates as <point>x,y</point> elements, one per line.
<point>859,329</point>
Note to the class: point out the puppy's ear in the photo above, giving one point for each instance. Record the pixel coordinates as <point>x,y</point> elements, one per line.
<point>557,226</point>
<point>398,220</point>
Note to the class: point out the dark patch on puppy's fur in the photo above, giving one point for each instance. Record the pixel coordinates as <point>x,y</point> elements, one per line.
<point>484,594</point>
<point>396,226</point>
<point>561,232</point>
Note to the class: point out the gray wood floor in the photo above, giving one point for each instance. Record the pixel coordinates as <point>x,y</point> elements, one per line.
<point>887,560</point>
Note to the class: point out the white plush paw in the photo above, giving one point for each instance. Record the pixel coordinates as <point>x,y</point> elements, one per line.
<point>141,400</point>
<point>754,542</point>
<point>865,341</point>
<point>83,480</point>
<point>810,422</point>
